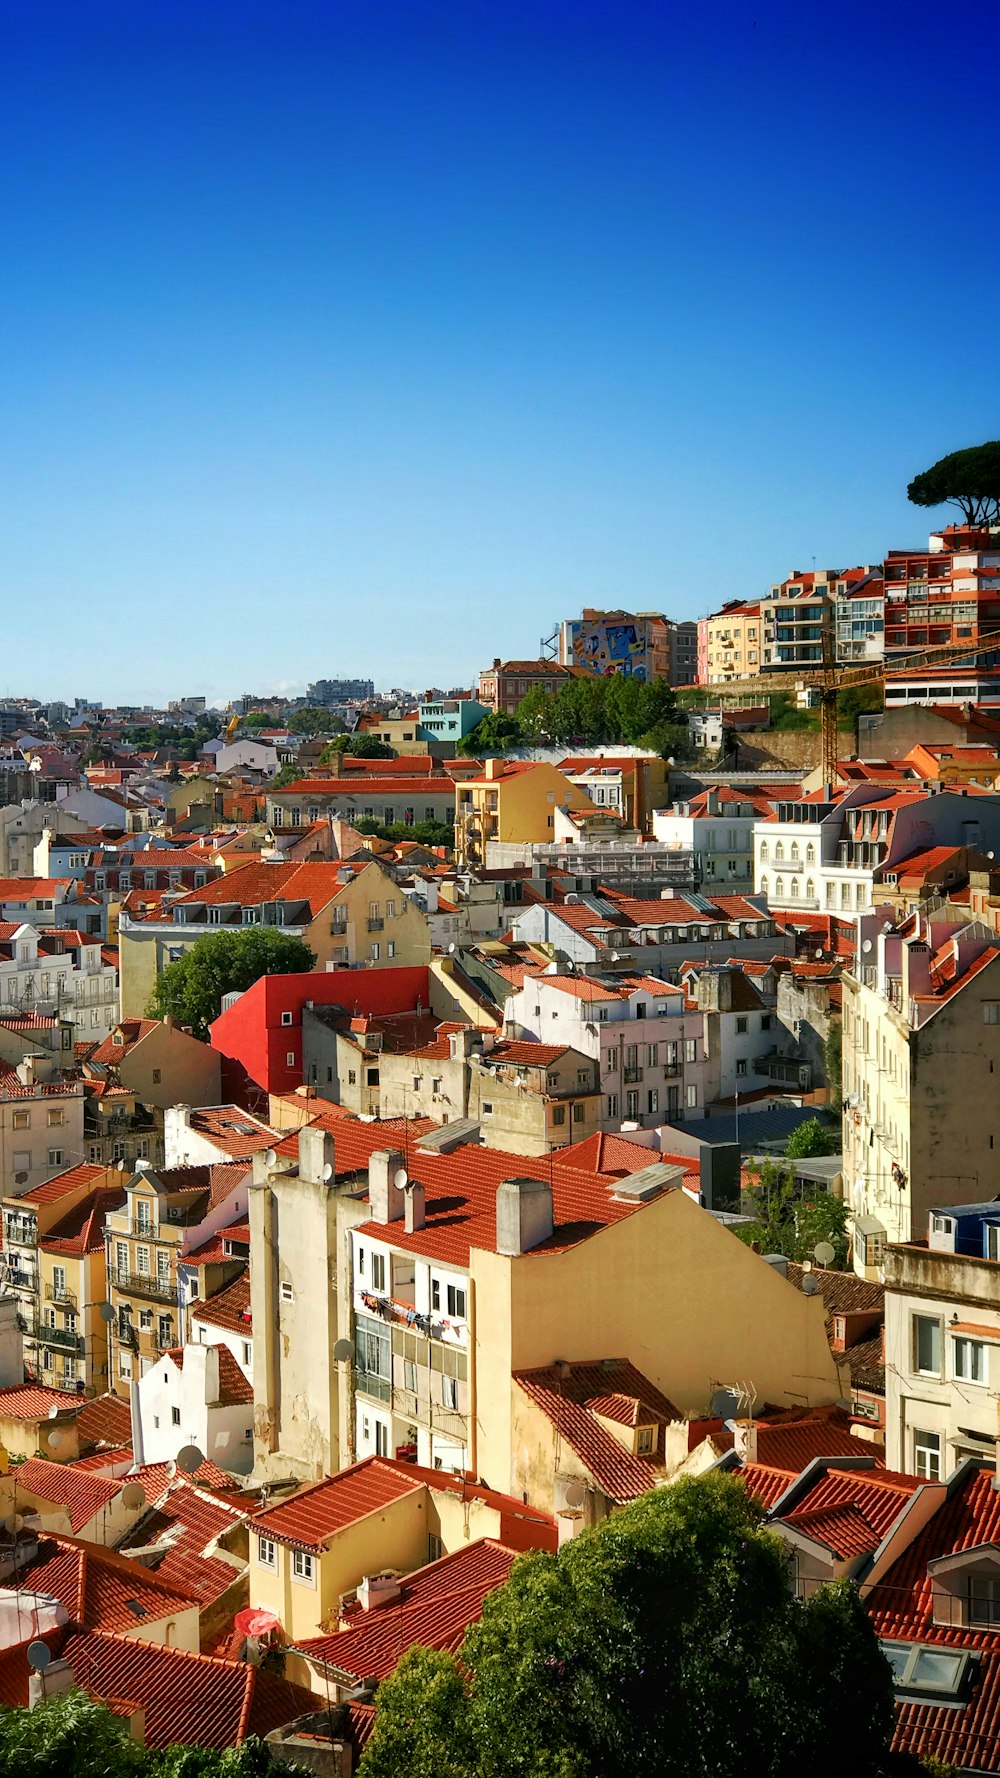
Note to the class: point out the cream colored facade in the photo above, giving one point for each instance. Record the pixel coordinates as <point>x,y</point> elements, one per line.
<point>514,802</point>
<point>733,644</point>
<point>937,1301</point>
<point>166,1066</point>
<point>373,922</point>
<point>919,1074</point>
<point>41,1128</point>
<point>72,1340</point>
<point>520,1106</point>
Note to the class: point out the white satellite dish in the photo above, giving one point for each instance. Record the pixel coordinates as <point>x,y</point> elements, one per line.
<point>328,1170</point>
<point>269,1157</point>
<point>133,1497</point>
<point>54,1411</point>
<point>171,1469</point>
<point>39,1656</point>
<point>866,946</point>
<point>824,1253</point>
<point>451,950</point>
<point>121,1166</point>
<point>576,1494</point>
<point>189,1458</point>
<point>343,1350</point>
<point>55,1440</point>
<point>401,1179</point>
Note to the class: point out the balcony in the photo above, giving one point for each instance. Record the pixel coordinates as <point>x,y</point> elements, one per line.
<point>144,1230</point>
<point>672,1070</point>
<point>371,1384</point>
<point>632,1076</point>
<point>162,1290</point>
<point>376,925</point>
<point>58,1336</point>
<point>57,1293</point>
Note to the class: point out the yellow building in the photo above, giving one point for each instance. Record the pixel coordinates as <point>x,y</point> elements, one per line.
<point>514,802</point>
<point>374,1518</point>
<point>72,1335</point>
<point>730,646</point>
<point>345,913</point>
<point>60,1210</point>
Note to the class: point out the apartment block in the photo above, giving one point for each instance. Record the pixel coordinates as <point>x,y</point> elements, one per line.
<point>729,643</point>
<point>948,593</point>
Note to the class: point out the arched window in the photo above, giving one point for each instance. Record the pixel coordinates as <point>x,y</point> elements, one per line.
<point>795,851</point>
<point>794,891</point>
<point>763,885</point>
<point>811,889</point>
<point>763,851</point>
<point>779,852</point>
<point>779,887</point>
<point>810,853</point>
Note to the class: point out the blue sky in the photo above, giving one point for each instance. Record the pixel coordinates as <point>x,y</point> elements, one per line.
<point>370,338</point>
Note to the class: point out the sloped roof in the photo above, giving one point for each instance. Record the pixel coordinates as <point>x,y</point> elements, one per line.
<point>100,1589</point>
<point>435,1607</point>
<point>63,1183</point>
<point>104,1420</point>
<point>185,1522</point>
<point>29,1402</point>
<point>319,1511</point>
<point>229,1308</point>
<point>82,1493</point>
<point>572,1402</point>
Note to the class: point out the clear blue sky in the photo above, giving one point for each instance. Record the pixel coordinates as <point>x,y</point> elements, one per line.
<point>369,338</point>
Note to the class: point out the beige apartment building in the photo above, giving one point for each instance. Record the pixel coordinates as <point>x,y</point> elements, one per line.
<point>921,1061</point>
<point>729,643</point>
<point>527,1098</point>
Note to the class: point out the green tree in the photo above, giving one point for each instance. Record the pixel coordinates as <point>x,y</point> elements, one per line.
<point>968,479</point>
<point>358,746</point>
<point>224,962</point>
<point>784,1221</point>
<point>492,736</point>
<point>664,1643</point>
<point>535,713</point>
<point>256,719</point>
<point>313,719</point>
<point>67,1737</point>
<point>284,776</point>
<point>813,1137</point>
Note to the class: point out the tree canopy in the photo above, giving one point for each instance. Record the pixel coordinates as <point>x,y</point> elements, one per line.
<point>358,746</point>
<point>426,833</point>
<point>664,1643</point>
<point>313,719</point>
<point>813,1137</point>
<point>788,1221</point>
<point>224,962</point>
<point>71,1736</point>
<point>493,735</point>
<point>968,479</point>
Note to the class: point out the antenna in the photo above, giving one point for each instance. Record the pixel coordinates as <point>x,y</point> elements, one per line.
<point>724,1404</point>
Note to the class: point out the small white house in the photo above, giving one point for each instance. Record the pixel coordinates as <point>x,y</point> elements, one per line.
<point>196,1395</point>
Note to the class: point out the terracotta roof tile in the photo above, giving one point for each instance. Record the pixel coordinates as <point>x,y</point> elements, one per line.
<point>319,1511</point>
<point>229,1308</point>
<point>82,1493</point>
<point>572,1403</point>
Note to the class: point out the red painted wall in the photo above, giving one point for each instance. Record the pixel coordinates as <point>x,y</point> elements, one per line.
<point>252,1031</point>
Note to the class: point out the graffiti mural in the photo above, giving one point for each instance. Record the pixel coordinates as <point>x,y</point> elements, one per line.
<point>611,645</point>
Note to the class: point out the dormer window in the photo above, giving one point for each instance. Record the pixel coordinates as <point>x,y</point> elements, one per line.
<point>645,1442</point>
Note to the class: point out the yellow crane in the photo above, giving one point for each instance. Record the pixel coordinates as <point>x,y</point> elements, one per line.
<point>829,679</point>
<point>232,725</point>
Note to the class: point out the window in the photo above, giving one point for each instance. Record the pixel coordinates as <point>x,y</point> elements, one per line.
<point>927,1345</point>
<point>287,1293</point>
<point>644,1441</point>
<point>449,1392</point>
<point>558,1114</point>
<point>59,1280</point>
<point>741,1026</point>
<point>410,1375</point>
<point>765,1021</point>
<point>653,1100</point>
<point>741,1067</point>
<point>22,1120</point>
<point>162,1266</point>
<point>290,1058</point>
<point>55,1157</point>
<point>991,1012</point>
<point>970,1360</point>
<point>175,1416</point>
<point>612,1104</point>
<point>691,1097</point>
<point>55,1117</point>
<point>926,1671</point>
<point>487,1108</point>
<point>378,1271</point>
<point>286,1018</point>
<point>376,951</point>
<point>267,1553</point>
<point>927,1455</point>
<point>303,1565</point>
<point>381,1439</point>
<point>142,1261</point>
<point>391,948</point>
<point>690,1049</point>
<point>456,1302</point>
<point>435,1293</point>
<point>435,1548</point>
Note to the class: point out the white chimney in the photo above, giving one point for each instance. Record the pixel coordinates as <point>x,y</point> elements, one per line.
<point>376,1590</point>
<point>414,1199</point>
<point>745,1440</point>
<point>385,1196</point>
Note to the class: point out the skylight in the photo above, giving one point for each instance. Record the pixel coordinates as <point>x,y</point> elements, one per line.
<point>926,1672</point>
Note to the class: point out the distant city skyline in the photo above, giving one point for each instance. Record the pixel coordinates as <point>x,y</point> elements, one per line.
<point>380,339</point>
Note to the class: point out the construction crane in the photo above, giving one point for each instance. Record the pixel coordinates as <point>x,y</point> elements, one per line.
<point>829,679</point>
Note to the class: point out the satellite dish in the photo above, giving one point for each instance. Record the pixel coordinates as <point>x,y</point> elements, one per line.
<point>13,1523</point>
<point>133,1497</point>
<point>171,1469</point>
<point>343,1350</point>
<point>328,1170</point>
<point>401,1179</point>
<point>21,1178</point>
<point>106,1312</point>
<point>189,1458</point>
<point>269,1157</point>
<point>54,1411</point>
<point>576,1494</point>
<point>724,1404</point>
<point>39,1656</point>
<point>818,953</point>
<point>121,1166</point>
<point>824,1253</point>
<point>810,1286</point>
<point>451,950</point>
<point>55,1440</point>
<point>866,946</point>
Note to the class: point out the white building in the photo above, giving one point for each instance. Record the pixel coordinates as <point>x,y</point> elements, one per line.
<point>717,827</point>
<point>822,852</point>
<point>196,1395</point>
<point>608,926</point>
<point>644,1034</point>
<point>942,1343</point>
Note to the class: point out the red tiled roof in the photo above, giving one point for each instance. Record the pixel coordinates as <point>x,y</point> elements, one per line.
<point>98,1587</point>
<point>236,1132</point>
<point>229,1308</point>
<point>571,1402</point>
<point>878,1495</point>
<point>18,889</point>
<point>64,1183</point>
<point>323,1508</point>
<point>105,1420</point>
<point>29,1402</point>
<point>435,1607</point>
<point>155,1477</point>
<point>900,1603</point>
<point>791,1447</point>
<point>187,1698</point>
<point>81,1231</point>
<point>82,1494</point>
<point>234,1386</point>
<point>132,1030</point>
<point>186,1522</point>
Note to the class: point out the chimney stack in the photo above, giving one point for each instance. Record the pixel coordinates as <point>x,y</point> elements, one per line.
<point>745,1440</point>
<point>414,1201</point>
<point>384,1195</point>
<point>524,1215</point>
<point>316,1153</point>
